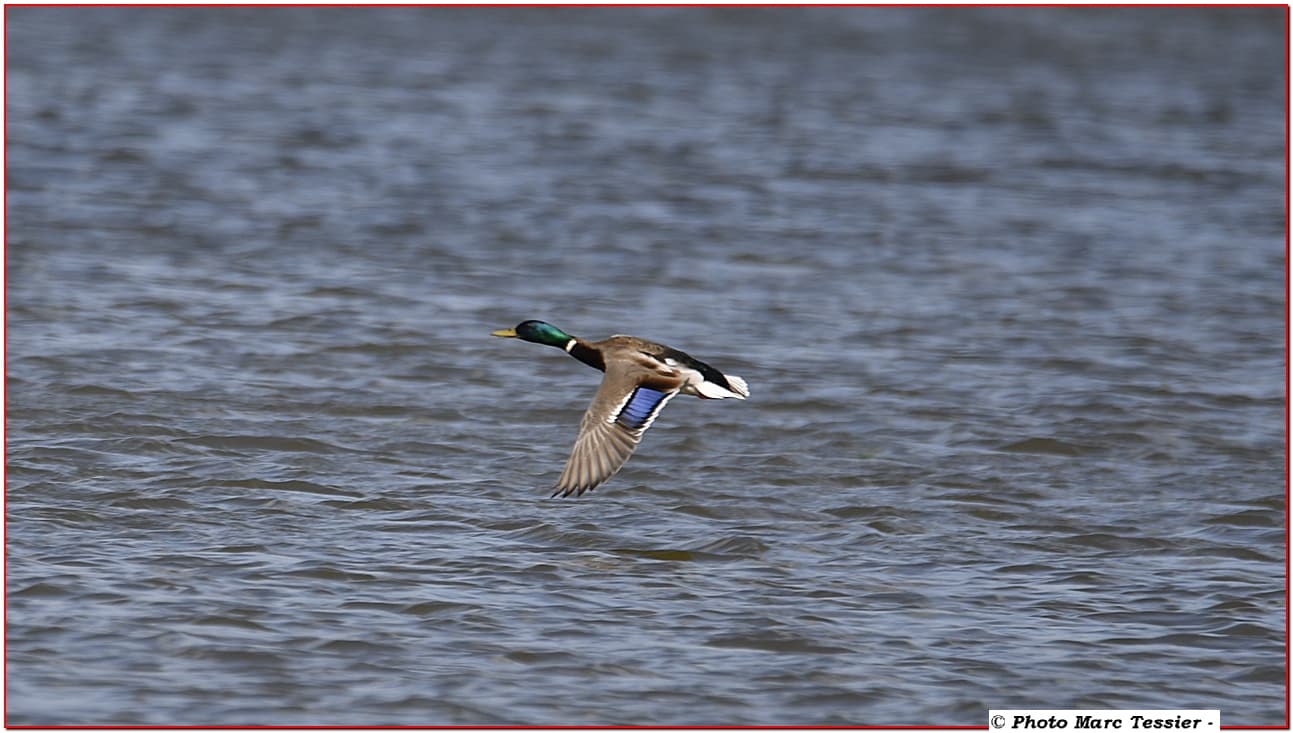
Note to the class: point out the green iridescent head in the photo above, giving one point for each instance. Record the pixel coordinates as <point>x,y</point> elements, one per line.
<point>538,332</point>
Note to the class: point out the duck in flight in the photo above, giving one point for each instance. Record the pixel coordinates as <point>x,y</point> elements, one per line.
<point>641,377</point>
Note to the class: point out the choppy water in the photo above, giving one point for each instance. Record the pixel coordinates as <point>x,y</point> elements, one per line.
<point>1007,286</point>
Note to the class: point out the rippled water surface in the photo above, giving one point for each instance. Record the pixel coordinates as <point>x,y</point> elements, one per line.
<point>1007,286</point>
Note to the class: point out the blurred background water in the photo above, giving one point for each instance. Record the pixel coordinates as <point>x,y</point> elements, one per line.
<point>1008,287</point>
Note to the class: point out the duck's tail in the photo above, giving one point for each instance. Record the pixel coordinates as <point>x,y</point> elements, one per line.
<point>734,387</point>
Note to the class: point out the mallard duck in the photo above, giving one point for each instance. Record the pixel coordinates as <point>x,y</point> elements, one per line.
<point>641,377</point>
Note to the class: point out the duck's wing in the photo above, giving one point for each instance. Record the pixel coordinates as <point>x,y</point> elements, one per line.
<point>627,402</point>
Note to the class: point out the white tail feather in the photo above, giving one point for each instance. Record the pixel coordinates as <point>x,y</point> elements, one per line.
<point>713,391</point>
<point>738,384</point>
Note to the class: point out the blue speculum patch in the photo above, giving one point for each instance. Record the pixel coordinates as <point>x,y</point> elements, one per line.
<point>639,407</point>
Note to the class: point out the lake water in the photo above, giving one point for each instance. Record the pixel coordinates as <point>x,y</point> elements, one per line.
<point>1008,287</point>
